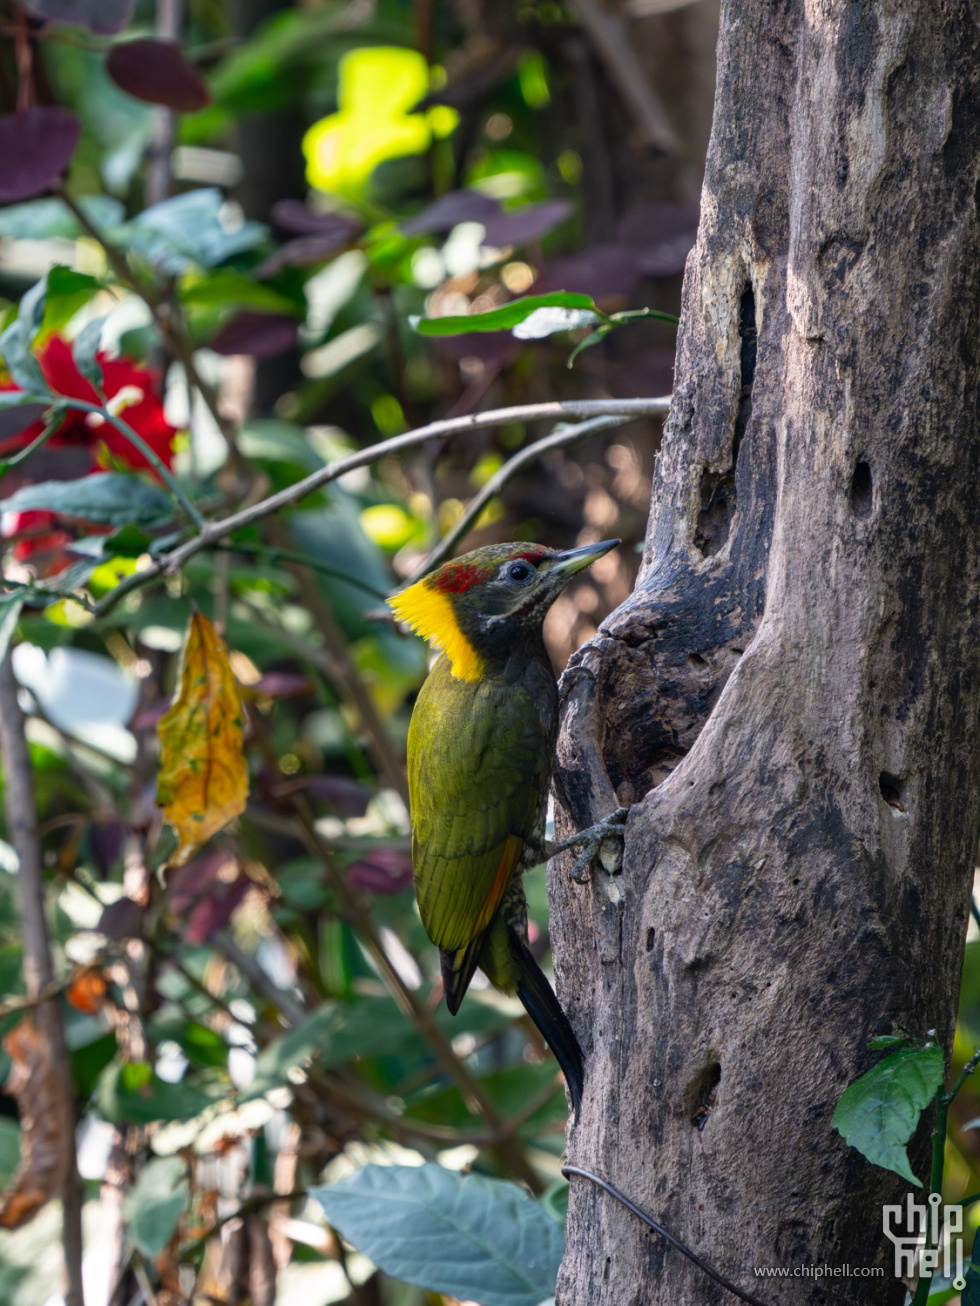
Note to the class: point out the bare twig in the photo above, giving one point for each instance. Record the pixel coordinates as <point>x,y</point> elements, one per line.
<point>288,1006</point>
<point>20,811</point>
<point>213,531</point>
<point>558,439</point>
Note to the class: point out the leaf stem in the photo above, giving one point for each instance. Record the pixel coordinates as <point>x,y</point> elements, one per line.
<point>153,458</point>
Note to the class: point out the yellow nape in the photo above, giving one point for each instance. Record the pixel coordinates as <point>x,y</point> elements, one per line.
<point>429,611</point>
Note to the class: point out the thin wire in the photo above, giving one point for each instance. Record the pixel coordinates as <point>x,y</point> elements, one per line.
<point>658,1228</point>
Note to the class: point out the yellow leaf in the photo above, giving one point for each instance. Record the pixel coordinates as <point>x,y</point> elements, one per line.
<point>203,780</point>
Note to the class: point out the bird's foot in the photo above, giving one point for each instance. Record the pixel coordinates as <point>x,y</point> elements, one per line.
<point>604,839</point>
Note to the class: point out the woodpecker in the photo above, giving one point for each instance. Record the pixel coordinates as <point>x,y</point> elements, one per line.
<point>481,748</point>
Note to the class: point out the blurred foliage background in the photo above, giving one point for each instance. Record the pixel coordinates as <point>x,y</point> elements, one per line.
<point>258,202</point>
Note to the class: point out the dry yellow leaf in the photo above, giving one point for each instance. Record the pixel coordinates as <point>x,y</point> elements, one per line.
<point>203,779</point>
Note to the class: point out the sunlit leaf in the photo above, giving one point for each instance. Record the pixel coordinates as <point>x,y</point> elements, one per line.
<point>478,1239</point>
<point>203,779</point>
<point>879,1112</point>
<point>509,316</point>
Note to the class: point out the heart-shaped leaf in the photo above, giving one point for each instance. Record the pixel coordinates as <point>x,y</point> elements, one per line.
<point>36,146</point>
<point>475,1238</point>
<point>879,1112</point>
<point>158,72</point>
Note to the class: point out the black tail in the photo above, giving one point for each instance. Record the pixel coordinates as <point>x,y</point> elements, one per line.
<point>545,1010</point>
<point>457,970</point>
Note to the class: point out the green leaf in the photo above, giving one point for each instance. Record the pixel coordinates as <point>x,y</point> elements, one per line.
<point>127,542</point>
<point>879,1112</point>
<point>10,608</point>
<point>133,1094</point>
<point>884,1042</point>
<point>68,291</point>
<point>84,352</point>
<point>50,219</point>
<point>30,314</point>
<point>189,230</point>
<point>155,1203</point>
<point>9,1150</point>
<point>112,497</point>
<point>226,287</point>
<point>511,315</point>
<point>477,1239</point>
<point>21,363</point>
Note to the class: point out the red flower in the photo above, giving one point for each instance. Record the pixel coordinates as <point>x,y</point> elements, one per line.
<point>139,405</point>
<point>144,413</point>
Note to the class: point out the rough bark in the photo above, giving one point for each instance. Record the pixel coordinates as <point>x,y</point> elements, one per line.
<point>790,697</point>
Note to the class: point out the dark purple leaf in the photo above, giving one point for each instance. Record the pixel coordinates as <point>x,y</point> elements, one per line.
<point>263,335</point>
<point>104,17</point>
<point>158,72</point>
<point>149,717</point>
<point>105,842</point>
<point>188,883</point>
<point>662,233</point>
<point>526,224</point>
<point>13,420</point>
<point>450,209</point>
<point>383,870</point>
<point>604,272</point>
<point>303,251</point>
<point>346,797</point>
<point>293,215</point>
<point>36,147</point>
<point>215,911</point>
<point>668,258</point>
<point>492,348</point>
<point>648,224</point>
<point>122,919</point>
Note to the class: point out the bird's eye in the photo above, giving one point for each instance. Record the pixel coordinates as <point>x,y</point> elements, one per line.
<point>520,571</point>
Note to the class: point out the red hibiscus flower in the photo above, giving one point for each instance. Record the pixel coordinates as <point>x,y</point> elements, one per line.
<point>137,402</point>
<point>143,411</point>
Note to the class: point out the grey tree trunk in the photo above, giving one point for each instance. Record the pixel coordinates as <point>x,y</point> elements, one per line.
<point>789,699</point>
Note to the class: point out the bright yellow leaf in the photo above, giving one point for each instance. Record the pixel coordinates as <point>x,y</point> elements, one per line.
<point>377,88</point>
<point>203,779</point>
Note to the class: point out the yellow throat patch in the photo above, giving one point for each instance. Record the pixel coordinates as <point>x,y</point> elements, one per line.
<point>429,612</point>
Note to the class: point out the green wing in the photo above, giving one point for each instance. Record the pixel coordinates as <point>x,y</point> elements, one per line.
<point>479,760</point>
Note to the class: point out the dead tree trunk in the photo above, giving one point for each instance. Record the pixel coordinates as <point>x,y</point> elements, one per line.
<point>790,697</point>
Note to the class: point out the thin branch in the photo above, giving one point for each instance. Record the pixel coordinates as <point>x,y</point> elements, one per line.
<point>217,530</point>
<point>558,439</point>
<point>20,810</point>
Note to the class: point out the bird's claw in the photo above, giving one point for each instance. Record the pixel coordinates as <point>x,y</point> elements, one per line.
<point>604,839</point>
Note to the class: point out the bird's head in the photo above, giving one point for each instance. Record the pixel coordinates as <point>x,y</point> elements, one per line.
<point>479,606</point>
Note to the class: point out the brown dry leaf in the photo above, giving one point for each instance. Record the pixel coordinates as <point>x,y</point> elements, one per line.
<point>87,992</point>
<point>45,1122</point>
<point>203,779</point>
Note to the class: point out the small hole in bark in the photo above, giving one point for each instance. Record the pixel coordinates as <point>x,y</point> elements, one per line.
<point>700,1095</point>
<point>862,491</point>
<point>737,651</point>
<point>893,791</point>
<point>747,356</point>
<point>696,661</point>
<point>651,935</point>
<point>796,880</point>
<point>717,510</point>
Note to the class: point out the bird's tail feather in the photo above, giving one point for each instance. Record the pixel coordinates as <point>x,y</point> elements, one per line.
<point>542,1005</point>
<point>458,968</point>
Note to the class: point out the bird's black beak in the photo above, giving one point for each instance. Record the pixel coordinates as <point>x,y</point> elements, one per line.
<point>563,566</point>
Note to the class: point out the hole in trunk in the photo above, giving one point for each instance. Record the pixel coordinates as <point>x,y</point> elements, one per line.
<point>747,358</point>
<point>696,661</point>
<point>893,791</point>
<point>651,936</point>
<point>862,496</point>
<point>700,1095</point>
